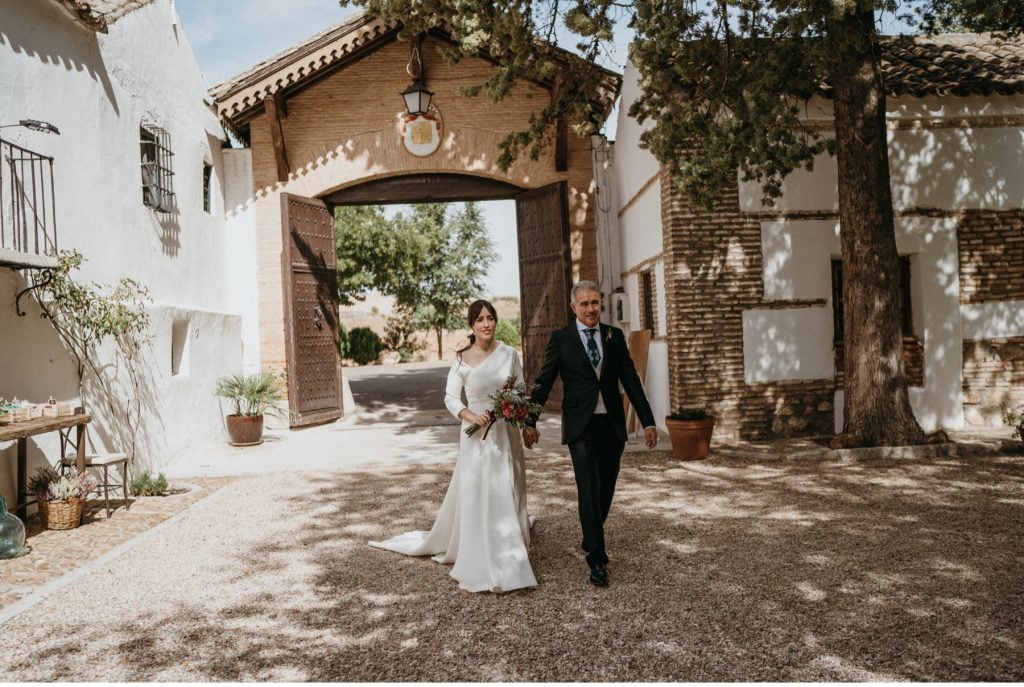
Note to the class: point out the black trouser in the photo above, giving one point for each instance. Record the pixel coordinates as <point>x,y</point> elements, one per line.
<point>595,459</point>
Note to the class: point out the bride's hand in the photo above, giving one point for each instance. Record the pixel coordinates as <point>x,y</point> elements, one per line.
<point>472,418</point>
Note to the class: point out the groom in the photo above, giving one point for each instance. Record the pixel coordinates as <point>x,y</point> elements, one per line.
<point>592,359</point>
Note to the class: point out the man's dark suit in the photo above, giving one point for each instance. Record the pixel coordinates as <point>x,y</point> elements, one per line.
<point>595,441</point>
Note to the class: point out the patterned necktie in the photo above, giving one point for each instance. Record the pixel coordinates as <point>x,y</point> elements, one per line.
<point>595,355</point>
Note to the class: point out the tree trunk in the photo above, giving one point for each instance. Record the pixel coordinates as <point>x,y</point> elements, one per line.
<point>876,403</point>
<point>439,331</point>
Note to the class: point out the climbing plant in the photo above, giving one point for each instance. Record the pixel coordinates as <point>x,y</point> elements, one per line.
<point>86,315</point>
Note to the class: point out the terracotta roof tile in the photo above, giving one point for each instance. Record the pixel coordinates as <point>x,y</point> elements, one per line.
<point>243,94</point>
<point>959,64</point>
<point>299,63</point>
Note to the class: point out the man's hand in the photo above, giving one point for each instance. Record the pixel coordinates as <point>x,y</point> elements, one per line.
<point>530,436</point>
<point>651,435</point>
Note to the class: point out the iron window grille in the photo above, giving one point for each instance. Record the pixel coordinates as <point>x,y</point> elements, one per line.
<point>906,313</point>
<point>28,206</point>
<point>157,175</point>
<point>207,171</point>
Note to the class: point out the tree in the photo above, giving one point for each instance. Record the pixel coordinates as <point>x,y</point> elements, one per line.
<point>455,254</point>
<point>364,247</point>
<point>431,260</point>
<point>722,83</point>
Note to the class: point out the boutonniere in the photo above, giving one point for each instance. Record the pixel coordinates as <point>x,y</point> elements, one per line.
<point>607,335</point>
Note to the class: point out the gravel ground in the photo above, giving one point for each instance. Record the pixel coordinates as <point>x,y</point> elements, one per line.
<point>725,571</point>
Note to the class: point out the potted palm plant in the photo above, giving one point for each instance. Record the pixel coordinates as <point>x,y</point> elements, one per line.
<point>253,395</point>
<point>689,430</point>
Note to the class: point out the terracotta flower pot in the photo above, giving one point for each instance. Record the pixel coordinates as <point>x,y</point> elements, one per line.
<point>690,439</point>
<point>245,430</point>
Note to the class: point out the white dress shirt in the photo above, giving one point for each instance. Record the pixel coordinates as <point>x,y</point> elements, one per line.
<point>584,337</point>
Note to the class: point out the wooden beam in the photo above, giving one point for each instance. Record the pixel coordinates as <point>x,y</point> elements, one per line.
<point>273,107</point>
<point>561,145</point>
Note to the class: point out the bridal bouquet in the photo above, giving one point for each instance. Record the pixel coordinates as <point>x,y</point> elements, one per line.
<point>511,404</point>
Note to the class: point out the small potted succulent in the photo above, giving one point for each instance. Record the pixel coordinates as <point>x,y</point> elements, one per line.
<point>689,430</point>
<point>252,396</point>
<point>61,498</point>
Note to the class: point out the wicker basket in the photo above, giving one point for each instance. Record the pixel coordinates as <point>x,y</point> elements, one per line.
<point>61,515</point>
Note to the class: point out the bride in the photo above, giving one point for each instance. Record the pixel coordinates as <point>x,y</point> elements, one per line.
<point>482,527</point>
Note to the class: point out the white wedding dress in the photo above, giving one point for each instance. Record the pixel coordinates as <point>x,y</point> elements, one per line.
<point>482,527</point>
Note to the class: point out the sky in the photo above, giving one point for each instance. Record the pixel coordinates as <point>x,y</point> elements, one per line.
<point>229,36</point>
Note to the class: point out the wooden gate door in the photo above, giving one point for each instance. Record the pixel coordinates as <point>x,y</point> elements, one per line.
<point>545,273</point>
<point>311,311</point>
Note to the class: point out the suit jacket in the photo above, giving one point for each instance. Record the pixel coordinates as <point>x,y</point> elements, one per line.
<point>567,357</point>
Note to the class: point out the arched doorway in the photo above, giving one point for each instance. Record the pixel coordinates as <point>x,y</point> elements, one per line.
<point>545,269</point>
<point>322,125</point>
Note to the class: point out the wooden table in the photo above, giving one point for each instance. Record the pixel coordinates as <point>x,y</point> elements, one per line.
<point>23,430</point>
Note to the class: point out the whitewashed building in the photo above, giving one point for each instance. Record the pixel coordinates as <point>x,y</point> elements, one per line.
<point>741,301</point>
<point>137,171</point>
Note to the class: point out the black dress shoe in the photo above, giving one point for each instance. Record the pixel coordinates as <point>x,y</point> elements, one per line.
<point>599,575</point>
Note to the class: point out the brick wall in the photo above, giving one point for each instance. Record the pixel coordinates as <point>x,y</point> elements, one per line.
<point>991,252</point>
<point>342,131</point>
<point>991,248</point>
<point>713,272</point>
<point>993,380</point>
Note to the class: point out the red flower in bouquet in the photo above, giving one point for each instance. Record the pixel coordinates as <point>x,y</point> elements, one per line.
<point>511,403</point>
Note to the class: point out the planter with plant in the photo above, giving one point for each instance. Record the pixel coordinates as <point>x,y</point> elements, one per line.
<point>61,498</point>
<point>689,430</point>
<point>253,395</point>
<point>147,485</point>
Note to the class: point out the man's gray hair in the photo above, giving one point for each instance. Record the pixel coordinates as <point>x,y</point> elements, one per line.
<point>585,285</point>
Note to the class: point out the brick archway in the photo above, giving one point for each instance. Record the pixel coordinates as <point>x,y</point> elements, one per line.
<point>321,122</point>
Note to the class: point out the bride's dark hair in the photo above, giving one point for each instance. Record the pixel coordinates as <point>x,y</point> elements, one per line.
<point>475,309</point>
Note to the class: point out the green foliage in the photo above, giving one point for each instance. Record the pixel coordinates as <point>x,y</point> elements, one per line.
<point>508,333</point>
<point>49,484</point>
<point>147,485</point>
<point>689,414</point>
<point>1015,420</point>
<point>364,345</point>
<point>400,334</point>
<point>363,249</point>
<point>85,315</point>
<point>39,483</point>
<point>432,259</point>
<point>343,340</point>
<point>455,254</point>
<point>756,61</point>
<point>252,394</point>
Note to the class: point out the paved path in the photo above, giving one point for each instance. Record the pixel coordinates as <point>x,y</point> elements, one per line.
<point>408,386</point>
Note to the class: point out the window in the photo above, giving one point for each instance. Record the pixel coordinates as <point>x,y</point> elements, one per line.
<point>155,144</point>
<point>179,347</point>
<point>207,171</point>
<point>646,301</point>
<point>906,314</point>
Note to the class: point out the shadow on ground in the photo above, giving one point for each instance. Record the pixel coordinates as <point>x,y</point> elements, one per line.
<point>733,571</point>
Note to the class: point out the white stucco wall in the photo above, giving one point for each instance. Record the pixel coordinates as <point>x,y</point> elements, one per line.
<point>240,249</point>
<point>98,89</point>
<point>796,343</point>
<point>949,168</point>
<point>790,343</point>
<point>634,165</point>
